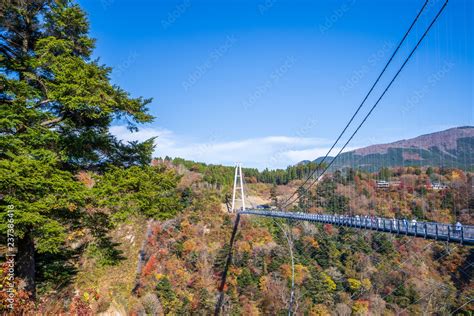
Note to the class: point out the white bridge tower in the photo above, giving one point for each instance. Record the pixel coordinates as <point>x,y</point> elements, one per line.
<point>238,186</point>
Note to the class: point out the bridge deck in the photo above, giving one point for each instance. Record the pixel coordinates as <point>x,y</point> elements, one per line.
<point>428,230</point>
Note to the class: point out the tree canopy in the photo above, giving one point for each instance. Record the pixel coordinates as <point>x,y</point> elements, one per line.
<point>56,106</point>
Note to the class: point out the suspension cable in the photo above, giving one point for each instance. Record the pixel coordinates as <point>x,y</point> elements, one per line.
<point>288,202</point>
<point>360,105</point>
<point>236,223</point>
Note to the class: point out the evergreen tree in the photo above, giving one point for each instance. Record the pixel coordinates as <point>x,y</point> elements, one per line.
<point>429,171</point>
<point>56,106</point>
<point>273,195</point>
<point>385,174</point>
<point>350,176</point>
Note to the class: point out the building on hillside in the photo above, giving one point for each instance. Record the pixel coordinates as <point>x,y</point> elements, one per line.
<point>382,184</point>
<point>395,183</point>
<point>438,186</point>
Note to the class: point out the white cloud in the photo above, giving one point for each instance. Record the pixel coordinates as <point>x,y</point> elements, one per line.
<point>122,133</point>
<point>263,152</point>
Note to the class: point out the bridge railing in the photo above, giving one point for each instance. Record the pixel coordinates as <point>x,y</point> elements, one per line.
<point>428,230</point>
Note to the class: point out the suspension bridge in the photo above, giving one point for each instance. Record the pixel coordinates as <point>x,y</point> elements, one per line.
<point>462,234</point>
<point>458,233</point>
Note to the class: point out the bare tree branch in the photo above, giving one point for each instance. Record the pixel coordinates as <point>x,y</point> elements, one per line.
<point>52,121</point>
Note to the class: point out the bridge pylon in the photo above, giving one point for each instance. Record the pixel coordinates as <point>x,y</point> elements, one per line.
<point>238,187</point>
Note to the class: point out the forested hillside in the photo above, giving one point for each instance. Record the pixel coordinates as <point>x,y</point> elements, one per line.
<point>338,271</point>
<point>183,242</point>
<point>450,148</point>
<point>224,175</point>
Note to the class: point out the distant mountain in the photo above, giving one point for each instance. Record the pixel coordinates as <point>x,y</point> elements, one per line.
<point>450,148</point>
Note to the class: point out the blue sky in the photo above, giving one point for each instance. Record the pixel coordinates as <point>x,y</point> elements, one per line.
<point>272,82</point>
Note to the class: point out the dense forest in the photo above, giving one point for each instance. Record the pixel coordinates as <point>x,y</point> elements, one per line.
<point>184,246</point>
<point>337,270</point>
<point>224,175</point>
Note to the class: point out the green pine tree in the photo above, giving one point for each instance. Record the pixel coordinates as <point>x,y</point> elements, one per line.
<point>56,107</point>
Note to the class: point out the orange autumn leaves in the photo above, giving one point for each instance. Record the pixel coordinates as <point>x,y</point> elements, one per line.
<point>301,273</point>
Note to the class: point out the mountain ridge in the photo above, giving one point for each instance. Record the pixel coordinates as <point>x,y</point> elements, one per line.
<point>453,147</point>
